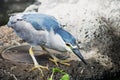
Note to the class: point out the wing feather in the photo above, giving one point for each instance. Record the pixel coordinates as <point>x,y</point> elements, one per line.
<point>41,21</point>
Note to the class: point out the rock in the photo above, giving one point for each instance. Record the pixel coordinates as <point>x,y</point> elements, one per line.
<point>11,6</point>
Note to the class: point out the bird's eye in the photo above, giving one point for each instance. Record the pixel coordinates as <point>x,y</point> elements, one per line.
<point>67,44</point>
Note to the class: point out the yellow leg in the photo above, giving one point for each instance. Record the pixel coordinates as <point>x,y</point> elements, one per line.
<point>36,65</point>
<point>56,60</point>
<point>43,48</point>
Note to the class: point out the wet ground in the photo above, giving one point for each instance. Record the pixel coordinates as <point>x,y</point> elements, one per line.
<point>15,63</point>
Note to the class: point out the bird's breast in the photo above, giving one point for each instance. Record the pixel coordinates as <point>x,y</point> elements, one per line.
<point>28,33</point>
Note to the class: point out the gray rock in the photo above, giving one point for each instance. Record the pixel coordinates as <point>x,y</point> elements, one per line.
<point>11,6</point>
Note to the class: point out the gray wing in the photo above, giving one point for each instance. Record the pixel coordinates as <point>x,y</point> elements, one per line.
<point>41,21</point>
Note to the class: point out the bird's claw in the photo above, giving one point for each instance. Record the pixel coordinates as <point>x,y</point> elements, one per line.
<point>56,61</point>
<point>39,67</point>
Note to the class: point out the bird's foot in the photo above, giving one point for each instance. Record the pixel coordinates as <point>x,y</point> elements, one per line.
<point>39,67</point>
<point>56,61</point>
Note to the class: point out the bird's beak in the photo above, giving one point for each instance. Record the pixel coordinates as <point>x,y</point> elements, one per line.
<point>77,52</point>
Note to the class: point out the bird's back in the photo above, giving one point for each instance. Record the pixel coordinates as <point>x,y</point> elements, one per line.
<point>41,21</point>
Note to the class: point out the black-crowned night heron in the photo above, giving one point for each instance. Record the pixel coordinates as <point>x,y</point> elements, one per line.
<point>43,30</point>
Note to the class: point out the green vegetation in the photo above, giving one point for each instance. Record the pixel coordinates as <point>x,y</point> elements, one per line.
<point>57,70</point>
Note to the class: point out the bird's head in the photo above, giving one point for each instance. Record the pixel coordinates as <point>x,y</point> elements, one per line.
<point>70,42</point>
<point>13,19</point>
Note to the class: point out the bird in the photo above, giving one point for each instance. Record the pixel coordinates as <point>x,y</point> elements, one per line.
<point>44,30</point>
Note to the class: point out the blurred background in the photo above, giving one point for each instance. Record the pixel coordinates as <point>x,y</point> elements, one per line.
<point>11,6</point>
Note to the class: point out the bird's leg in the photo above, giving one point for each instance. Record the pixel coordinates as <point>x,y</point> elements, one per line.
<point>56,60</point>
<point>43,48</point>
<point>36,65</point>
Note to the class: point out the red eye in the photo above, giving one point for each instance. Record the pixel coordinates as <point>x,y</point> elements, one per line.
<point>67,44</point>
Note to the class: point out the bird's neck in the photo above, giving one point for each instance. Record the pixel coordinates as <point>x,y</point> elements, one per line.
<point>55,41</point>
